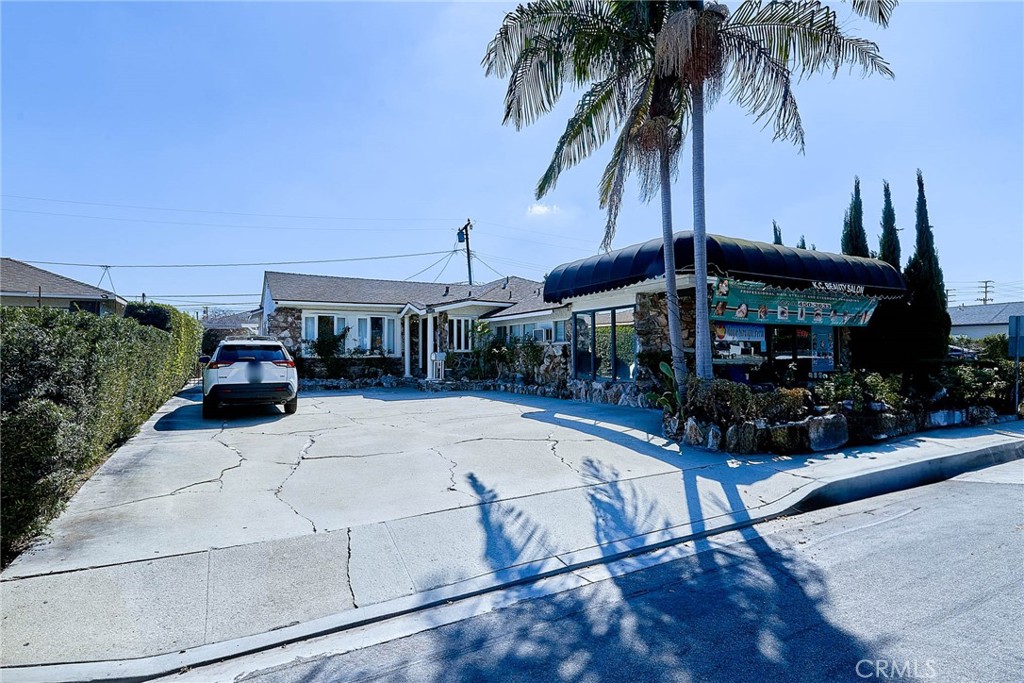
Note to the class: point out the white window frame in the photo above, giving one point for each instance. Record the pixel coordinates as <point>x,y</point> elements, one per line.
<point>314,320</point>
<point>389,337</point>
<point>460,334</point>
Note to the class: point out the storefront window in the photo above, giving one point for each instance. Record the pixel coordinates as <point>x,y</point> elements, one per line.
<point>583,343</point>
<point>605,345</point>
<point>625,345</point>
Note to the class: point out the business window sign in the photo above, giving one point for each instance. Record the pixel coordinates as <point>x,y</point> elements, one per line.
<point>823,304</point>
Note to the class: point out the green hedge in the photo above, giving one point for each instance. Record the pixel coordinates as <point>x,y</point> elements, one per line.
<point>73,386</point>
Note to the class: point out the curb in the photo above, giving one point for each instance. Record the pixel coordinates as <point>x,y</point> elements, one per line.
<point>822,493</point>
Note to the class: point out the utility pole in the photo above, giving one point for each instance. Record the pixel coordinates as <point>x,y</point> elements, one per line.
<point>464,237</point>
<point>986,284</point>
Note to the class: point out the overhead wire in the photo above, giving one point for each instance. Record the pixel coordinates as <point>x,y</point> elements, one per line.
<point>416,274</point>
<point>444,267</point>
<point>480,260</point>
<point>217,225</point>
<point>224,213</point>
<point>235,265</point>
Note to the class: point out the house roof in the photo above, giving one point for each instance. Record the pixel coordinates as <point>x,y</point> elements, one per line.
<point>233,321</point>
<point>508,294</point>
<point>17,277</point>
<point>985,314</point>
<point>744,259</point>
<point>529,298</point>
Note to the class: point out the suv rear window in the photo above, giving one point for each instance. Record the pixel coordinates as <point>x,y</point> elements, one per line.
<point>234,354</point>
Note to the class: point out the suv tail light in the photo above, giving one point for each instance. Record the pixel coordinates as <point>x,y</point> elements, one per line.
<point>284,363</point>
<point>219,364</point>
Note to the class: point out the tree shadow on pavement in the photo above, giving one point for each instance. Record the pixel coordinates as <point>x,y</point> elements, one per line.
<point>750,612</point>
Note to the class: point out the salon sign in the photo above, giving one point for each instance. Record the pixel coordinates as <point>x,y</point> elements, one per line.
<point>739,301</point>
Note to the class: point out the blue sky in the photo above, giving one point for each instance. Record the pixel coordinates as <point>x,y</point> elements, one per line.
<point>380,114</point>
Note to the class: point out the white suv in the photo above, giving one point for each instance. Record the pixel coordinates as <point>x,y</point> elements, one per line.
<point>249,370</point>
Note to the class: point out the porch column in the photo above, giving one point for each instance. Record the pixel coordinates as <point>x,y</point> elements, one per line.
<point>430,346</point>
<point>408,348</point>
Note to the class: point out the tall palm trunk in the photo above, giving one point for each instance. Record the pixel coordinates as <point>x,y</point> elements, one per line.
<point>700,256</point>
<point>675,332</point>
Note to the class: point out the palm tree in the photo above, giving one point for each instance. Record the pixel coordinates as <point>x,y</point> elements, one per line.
<point>651,69</point>
<point>753,53</point>
<point>609,49</point>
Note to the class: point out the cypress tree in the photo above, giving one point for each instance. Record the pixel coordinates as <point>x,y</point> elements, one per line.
<point>855,240</point>
<point>777,233</point>
<point>802,244</point>
<point>889,243</point>
<point>929,320</point>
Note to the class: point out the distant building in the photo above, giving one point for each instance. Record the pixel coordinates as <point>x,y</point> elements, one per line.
<point>30,287</point>
<point>983,320</point>
<point>239,323</point>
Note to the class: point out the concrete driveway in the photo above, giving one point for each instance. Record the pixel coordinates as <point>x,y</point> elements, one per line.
<point>199,531</point>
<point>367,504</point>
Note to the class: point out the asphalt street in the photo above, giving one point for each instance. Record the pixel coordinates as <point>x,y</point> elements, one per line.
<point>923,584</point>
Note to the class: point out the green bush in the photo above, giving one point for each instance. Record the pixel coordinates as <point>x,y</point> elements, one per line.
<point>726,403</point>
<point>74,385</point>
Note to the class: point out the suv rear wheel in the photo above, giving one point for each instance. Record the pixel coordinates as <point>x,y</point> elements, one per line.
<point>291,406</point>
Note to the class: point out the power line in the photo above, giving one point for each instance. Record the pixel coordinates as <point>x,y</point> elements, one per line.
<point>445,267</point>
<point>216,225</point>
<point>488,267</point>
<point>236,265</point>
<point>223,213</point>
<point>192,296</point>
<point>447,254</point>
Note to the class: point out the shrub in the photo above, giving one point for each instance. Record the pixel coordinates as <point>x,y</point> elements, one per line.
<point>725,403</point>
<point>531,355</point>
<point>74,385</point>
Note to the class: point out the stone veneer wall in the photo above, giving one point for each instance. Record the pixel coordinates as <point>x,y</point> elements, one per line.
<point>651,322</point>
<point>285,325</point>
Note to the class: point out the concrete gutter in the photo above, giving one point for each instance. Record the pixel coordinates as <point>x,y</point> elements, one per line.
<point>860,482</point>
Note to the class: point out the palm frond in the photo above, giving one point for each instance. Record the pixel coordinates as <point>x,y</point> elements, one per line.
<point>762,85</point>
<point>613,180</point>
<point>535,45</point>
<point>590,126</point>
<point>805,36</point>
<point>877,11</point>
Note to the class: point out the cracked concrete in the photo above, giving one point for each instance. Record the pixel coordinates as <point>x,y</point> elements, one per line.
<point>198,531</point>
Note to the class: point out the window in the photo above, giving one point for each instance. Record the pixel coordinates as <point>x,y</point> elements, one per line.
<point>583,355</point>
<point>516,331</point>
<point>390,345</point>
<point>363,337</point>
<point>376,334</point>
<point>501,332</point>
<point>559,332</point>
<point>313,326</point>
<point>460,334</point>
<point>233,354</point>
<point>604,345</point>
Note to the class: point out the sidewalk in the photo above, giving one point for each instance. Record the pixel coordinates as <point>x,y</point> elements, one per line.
<point>143,617</point>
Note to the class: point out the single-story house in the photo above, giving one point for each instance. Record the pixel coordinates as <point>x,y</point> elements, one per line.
<point>983,320</point>
<point>407,320</point>
<point>27,286</point>
<point>244,322</point>
<point>773,309</point>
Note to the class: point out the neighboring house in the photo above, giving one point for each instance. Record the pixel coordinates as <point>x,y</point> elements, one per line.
<point>30,287</point>
<point>242,323</point>
<point>407,320</point>
<point>980,321</point>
